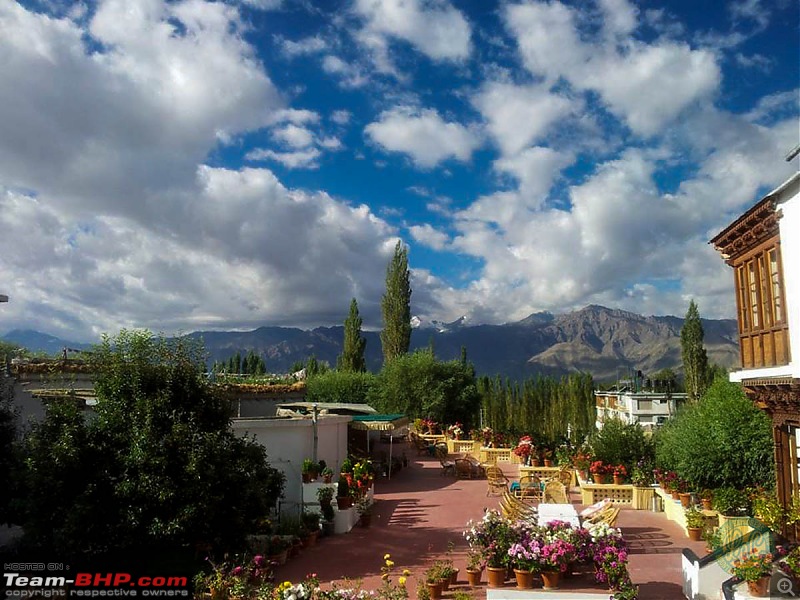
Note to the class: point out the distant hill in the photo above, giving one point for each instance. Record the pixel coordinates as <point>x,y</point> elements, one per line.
<point>36,341</point>
<point>602,341</point>
<point>596,339</point>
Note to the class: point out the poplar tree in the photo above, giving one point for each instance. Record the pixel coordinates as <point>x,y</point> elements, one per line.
<point>693,354</point>
<point>396,306</point>
<point>352,357</point>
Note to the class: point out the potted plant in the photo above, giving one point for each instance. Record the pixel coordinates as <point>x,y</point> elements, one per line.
<point>755,568</point>
<point>547,456</point>
<point>327,474</point>
<point>713,538</point>
<point>311,527</point>
<point>433,581</point>
<point>707,498</point>
<point>525,561</point>
<point>475,566</point>
<point>619,473</point>
<point>310,470</point>
<point>364,508</point>
<point>598,471</point>
<point>328,516</point>
<point>343,498</point>
<point>695,522</point>
<point>325,496</point>
<point>731,503</point>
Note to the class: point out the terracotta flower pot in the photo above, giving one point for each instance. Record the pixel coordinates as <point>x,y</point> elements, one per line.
<point>676,495</point>
<point>548,462</point>
<point>534,462</point>
<point>550,579</point>
<point>435,589</point>
<point>496,576</point>
<point>598,477</point>
<point>707,504</point>
<point>695,533</point>
<point>686,499</point>
<point>619,479</point>
<point>524,579</point>
<point>454,577</point>
<point>759,588</point>
<point>474,577</point>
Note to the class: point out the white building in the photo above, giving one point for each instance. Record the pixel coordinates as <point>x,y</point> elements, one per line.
<point>649,409</point>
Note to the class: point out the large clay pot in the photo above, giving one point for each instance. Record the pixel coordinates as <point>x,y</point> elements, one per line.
<point>435,590</point>
<point>707,504</point>
<point>619,480</point>
<point>548,462</point>
<point>550,579</point>
<point>524,579</point>
<point>695,533</point>
<point>454,577</point>
<point>686,499</point>
<point>474,577</point>
<point>598,478</point>
<point>760,588</point>
<point>496,576</point>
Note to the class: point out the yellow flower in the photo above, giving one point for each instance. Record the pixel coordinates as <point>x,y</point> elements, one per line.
<point>406,572</point>
<point>385,577</point>
<point>387,556</point>
<point>390,563</point>
<point>401,580</point>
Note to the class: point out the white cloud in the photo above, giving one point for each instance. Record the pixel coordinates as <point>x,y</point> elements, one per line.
<point>631,77</point>
<point>423,135</point>
<point>264,4</point>
<point>294,136</point>
<point>299,159</point>
<point>434,27</point>
<point>519,116</point>
<point>309,45</point>
<point>350,75</point>
<point>429,236</point>
<point>535,170</point>
<point>341,117</point>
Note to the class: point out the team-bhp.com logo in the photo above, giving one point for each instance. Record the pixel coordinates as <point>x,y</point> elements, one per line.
<point>22,583</point>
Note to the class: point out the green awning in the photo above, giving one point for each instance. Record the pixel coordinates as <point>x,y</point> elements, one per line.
<point>379,422</point>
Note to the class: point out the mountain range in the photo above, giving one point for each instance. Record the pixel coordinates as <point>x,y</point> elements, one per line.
<point>604,342</point>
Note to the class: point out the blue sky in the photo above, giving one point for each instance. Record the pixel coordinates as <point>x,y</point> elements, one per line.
<point>204,165</point>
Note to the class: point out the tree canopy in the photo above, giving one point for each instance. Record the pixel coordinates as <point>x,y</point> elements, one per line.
<point>157,466</point>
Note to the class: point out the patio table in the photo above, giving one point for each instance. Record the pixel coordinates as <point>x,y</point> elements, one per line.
<point>558,512</point>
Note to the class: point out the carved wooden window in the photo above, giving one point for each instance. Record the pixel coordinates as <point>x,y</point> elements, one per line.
<point>763,331</point>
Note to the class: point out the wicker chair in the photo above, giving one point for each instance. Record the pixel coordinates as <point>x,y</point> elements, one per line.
<point>530,488</point>
<point>555,493</point>
<point>496,480</point>
<point>565,477</point>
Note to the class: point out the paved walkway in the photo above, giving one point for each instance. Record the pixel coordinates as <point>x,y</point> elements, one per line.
<point>419,512</point>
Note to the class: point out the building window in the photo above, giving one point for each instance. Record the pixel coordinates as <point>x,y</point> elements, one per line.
<point>775,284</point>
<point>760,290</point>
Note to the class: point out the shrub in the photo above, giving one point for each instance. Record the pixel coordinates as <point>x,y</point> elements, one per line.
<point>619,443</point>
<point>340,386</point>
<point>723,440</point>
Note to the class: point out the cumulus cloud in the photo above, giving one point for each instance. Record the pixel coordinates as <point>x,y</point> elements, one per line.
<point>518,116</point>
<point>434,27</point>
<point>429,236</point>
<point>631,78</point>
<point>423,135</point>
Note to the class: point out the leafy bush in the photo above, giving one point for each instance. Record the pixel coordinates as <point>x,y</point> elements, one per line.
<point>618,443</point>
<point>339,386</point>
<point>158,466</point>
<point>723,440</point>
<point>419,385</point>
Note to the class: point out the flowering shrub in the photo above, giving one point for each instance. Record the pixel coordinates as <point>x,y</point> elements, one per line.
<point>753,566</point>
<point>240,578</point>
<point>492,537</point>
<point>620,471</point>
<point>455,431</point>
<point>582,461</point>
<point>598,468</point>
<point>525,556</point>
<point>524,447</point>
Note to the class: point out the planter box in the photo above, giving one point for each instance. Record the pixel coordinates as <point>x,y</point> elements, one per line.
<point>492,456</point>
<point>595,492</point>
<point>546,473</point>
<point>464,447</point>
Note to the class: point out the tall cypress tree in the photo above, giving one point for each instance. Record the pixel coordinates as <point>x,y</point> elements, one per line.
<point>396,306</point>
<point>693,354</point>
<point>352,357</point>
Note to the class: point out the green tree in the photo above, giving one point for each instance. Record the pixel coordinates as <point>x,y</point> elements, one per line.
<point>158,466</point>
<point>340,386</point>
<point>418,385</point>
<point>693,354</point>
<point>396,306</point>
<point>8,432</point>
<point>352,358</point>
<point>722,440</point>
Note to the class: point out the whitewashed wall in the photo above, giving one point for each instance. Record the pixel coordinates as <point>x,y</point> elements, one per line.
<point>289,441</point>
<point>790,252</point>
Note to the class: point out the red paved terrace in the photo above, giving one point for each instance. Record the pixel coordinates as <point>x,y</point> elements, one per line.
<point>419,511</point>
